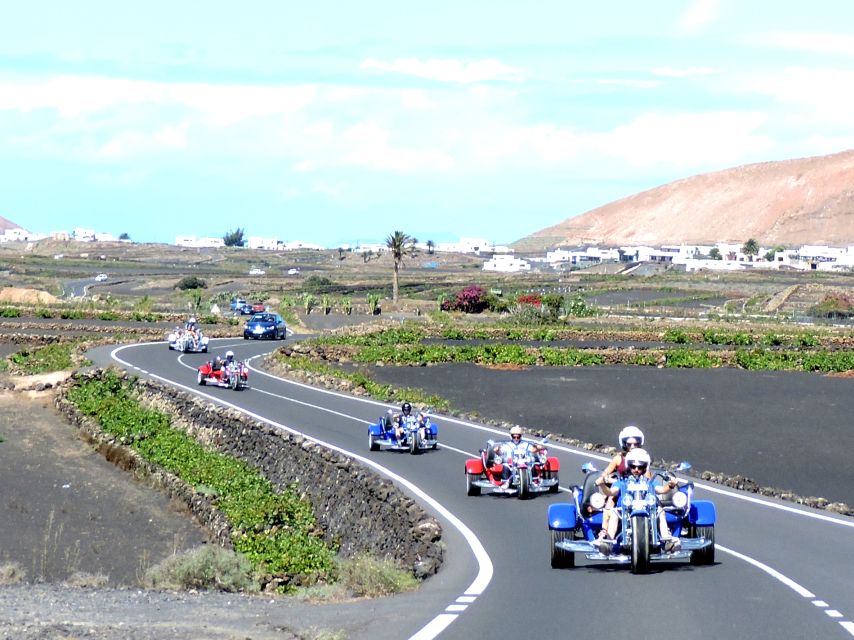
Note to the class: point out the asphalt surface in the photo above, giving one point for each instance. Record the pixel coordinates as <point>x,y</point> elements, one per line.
<point>772,578</point>
<point>782,429</point>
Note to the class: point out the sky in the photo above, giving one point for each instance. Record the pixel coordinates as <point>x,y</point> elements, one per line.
<point>341,122</point>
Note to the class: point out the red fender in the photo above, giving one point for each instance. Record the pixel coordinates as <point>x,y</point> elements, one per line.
<point>474,467</point>
<point>552,464</point>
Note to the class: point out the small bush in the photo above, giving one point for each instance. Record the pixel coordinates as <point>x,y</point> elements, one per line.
<point>676,336</point>
<point>109,316</point>
<point>44,313</point>
<point>12,573</point>
<point>191,282</point>
<point>363,575</point>
<point>472,299</point>
<point>71,314</point>
<point>10,312</point>
<point>82,580</point>
<point>209,568</point>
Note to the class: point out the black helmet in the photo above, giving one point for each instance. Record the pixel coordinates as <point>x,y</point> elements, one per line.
<point>406,408</point>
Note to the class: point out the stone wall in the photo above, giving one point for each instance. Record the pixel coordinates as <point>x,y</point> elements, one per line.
<point>357,510</point>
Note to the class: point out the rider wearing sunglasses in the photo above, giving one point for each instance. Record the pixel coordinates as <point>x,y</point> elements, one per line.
<point>509,450</point>
<point>637,463</point>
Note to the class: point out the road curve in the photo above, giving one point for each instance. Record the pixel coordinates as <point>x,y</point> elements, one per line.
<point>782,571</point>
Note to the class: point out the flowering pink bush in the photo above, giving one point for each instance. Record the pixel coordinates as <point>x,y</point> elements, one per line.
<point>472,299</point>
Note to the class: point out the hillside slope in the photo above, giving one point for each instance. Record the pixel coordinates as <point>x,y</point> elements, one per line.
<point>790,202</point>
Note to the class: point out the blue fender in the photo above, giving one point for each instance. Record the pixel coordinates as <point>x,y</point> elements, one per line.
<point>702,513</point>
<point>562,516</point>
<point>376,430</point>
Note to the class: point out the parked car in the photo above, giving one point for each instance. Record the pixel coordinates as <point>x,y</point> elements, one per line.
<point>265,325</point>
<point>237,304</point>
<point>100,277</point>
<point>256,272</point>
<point>293,271</point>
<point>258,307</point>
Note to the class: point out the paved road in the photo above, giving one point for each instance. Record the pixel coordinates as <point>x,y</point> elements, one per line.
<point>778,571</point>
<point>782,429</point>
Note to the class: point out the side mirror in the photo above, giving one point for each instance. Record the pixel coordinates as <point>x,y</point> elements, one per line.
<point>589,467</point>
<point>683,466</point>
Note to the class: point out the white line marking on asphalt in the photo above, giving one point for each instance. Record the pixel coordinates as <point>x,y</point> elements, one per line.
<point>456,607</point>
<point>800,590</point>
<point>584,454</point>
<point>484,562</point>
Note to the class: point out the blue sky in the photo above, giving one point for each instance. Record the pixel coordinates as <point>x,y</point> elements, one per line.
<point>340,122</point>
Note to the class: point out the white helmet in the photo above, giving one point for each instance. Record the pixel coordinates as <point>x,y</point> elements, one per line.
<point>638,458</point>
<point>627,434</point>
<point>192,321</point>
<point>229,354</point>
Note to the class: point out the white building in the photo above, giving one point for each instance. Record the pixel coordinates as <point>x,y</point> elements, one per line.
<point>197,243</point>
<point>83,235</point>
<point>258,242</point>
<point>467,245</point>
<point>506,264</point>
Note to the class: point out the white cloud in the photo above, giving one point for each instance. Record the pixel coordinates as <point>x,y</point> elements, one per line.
<point>830,43</point>
<point>688,72</point>
<point>698,15</point>
<point>454,71</point>
<point>634,84</point>
<point>368,147</point>
<point>134,142</point>
<point>821,93</point>
<point>75,96</point>
<point>686,140</point>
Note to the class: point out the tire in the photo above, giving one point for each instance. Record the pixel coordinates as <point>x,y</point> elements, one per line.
<point>640,544</point>
<point>234,382</point>
<point>372,445</point>
<point>471,488</point>
<point>415,442</point>
<point>524,484</point>
<point>556,486</point>
<point>200,378</point>
<point>707,555</point>
<point>561,559</point>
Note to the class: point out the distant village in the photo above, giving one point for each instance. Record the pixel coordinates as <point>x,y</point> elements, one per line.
<point>497,258</point>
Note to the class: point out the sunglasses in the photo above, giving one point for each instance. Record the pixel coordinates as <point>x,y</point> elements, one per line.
<point>631,443</point>
<point>637,467</point>
<point>516,437</point>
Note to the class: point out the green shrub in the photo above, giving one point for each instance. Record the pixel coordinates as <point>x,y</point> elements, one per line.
<point>276,531</point>
<point>71,314</point>
<point>366,576</point>
<point>10,312</point>
<point>206,568</point>
<point>43,313</point>
<point>51,357</point>
<point>109,316</point>
<point>191,282</point>
<point>676,336</point>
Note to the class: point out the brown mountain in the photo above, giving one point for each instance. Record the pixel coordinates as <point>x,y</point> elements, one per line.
<point>7,224</point>
<point>790,202</point>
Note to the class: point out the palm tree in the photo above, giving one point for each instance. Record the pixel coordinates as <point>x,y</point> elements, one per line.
<point>400,244</point>
<point>750,248</point>
<point>430,246</point>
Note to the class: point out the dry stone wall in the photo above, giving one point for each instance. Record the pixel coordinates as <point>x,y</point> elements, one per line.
<point>357,510</point>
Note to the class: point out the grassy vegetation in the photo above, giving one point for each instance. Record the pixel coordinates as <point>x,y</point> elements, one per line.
<point>274,531</point>
<point>411,345</point>
<point>52,357</point>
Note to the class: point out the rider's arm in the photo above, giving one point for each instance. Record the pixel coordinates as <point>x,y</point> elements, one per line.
<point>609,470</point>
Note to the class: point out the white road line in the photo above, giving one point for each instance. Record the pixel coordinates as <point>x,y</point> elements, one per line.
<point>794,586</point>
<point>441,621</point>
<point>484,562</point>
<point>581,453</point>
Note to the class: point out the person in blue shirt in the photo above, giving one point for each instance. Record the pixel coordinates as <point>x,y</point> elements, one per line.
<point>637,463</point>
